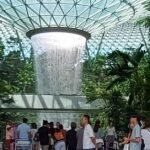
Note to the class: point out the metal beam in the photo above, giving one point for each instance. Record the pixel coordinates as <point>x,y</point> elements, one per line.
<point>51,103</point>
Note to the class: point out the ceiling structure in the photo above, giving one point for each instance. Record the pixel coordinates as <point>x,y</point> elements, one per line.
<point>125,37</point>
<point>92,16</point>
<point>8,33</point>
<point>110,22</point>
<point>122,37</point>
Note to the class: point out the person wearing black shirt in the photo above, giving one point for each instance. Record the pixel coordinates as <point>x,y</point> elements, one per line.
<point>52,132</point>
<point>43,133</point>
<point>71,139</point>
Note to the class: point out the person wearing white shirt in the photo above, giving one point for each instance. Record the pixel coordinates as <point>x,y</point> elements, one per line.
<point>111,135</point>
<point>146,136</point>
<point>88,135</point>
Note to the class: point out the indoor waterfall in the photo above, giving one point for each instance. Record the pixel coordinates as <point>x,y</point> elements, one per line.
<point>58,60</point>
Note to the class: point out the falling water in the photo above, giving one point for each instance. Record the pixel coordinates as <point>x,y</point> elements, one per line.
<point>64,118</point>
<point>58,64</point>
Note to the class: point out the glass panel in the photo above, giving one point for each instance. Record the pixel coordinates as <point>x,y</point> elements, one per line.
<point>16,2</point>
<point>97,10</point>
<point>58,11</point>
<point>58,19</point>
<point>100,4</point>
<point>49,8</point>
<point>44,11</point>
<point>69,8</point>
<point>21,11</point>
<point>70,19</point>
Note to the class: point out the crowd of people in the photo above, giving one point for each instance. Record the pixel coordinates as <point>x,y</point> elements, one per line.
<point>86,137</point>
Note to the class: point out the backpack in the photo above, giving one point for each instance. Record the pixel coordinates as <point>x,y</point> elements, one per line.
<point>36,137</point>
<point>59,135</point>
<point>142,145</point>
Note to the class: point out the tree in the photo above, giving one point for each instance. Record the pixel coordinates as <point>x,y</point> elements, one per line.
<point>120,82</point>
<point>123,67</point>
<point>16,76</point>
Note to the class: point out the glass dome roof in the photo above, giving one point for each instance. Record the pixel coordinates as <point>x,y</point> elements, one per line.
<point>122,37</point>
<point>92,16</point>
<point>125,37</point>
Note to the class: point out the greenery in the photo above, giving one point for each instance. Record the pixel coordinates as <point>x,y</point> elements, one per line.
<point>14,117</point>
<point>120,82</point>
<point>16,76</point>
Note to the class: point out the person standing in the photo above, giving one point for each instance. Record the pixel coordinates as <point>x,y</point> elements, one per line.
<point>146,135</point>
<point>89,140</point>
<point>14,133</point>
<point>61,127</point>
<point>98,135</point>
<point>35,144</point>
<point>52,131</point>
<point>79,135</point>
<point>59,138</point>
<point>51,128</point>
<point>71,138</point>
<point>126,137</point>
<point>8,135</point>
<point>110,135</point>
<point>23,130</point>
<point>135,139</point>
<point>44,134</point>
<point>14,130</point>
<point>96,129</point>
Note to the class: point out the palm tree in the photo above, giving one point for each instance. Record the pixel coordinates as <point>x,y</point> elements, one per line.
<point>122,66</point>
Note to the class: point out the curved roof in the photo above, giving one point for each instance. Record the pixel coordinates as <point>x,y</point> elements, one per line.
<point>92,16</point>
<point>125,37</point>
<point>120,37</point>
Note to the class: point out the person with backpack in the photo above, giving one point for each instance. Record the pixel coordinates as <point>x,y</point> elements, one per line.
<point>59,136</point>
<point>146,135</point>
<point>135,138</point>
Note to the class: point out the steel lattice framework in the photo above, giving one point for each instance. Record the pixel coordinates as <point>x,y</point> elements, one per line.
<point>97,17</point>
<point>124,37</point>
<point>120,37</point>
<point>91,16</point>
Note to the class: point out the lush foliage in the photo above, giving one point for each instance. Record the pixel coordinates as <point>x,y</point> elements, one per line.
<point>120,81</point>
<point>16,76</point>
